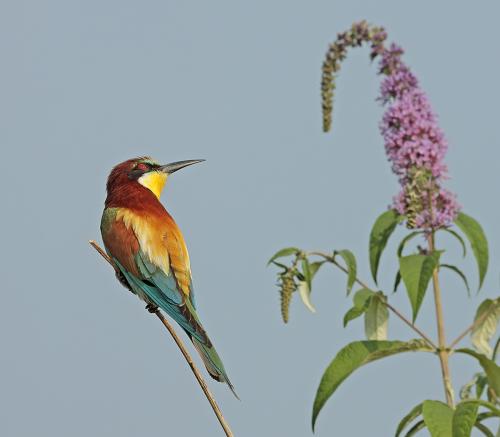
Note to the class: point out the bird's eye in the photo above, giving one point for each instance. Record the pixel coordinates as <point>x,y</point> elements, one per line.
<point>142,167</point>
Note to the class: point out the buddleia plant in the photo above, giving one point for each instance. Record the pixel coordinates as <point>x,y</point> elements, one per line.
<point>422,210</point>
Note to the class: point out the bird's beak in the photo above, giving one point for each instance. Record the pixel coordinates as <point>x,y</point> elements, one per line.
<point>174,166</point>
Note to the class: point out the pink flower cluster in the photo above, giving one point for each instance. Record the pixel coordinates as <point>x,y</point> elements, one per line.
<point>414,141</point>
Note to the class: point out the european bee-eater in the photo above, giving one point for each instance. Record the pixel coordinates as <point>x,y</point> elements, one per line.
<point>148,248</point>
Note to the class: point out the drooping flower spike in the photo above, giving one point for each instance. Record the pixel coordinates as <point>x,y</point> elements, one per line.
<point>414,143</point>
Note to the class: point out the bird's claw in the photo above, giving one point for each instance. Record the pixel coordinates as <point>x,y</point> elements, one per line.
<point>151,308</point>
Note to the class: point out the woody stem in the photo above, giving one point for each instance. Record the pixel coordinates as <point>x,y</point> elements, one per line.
<point>443,351</point>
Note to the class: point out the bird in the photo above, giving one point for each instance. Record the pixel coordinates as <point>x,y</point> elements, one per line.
<point>149,251</point>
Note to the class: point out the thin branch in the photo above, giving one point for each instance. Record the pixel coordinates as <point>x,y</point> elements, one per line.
<point>183,350</point>
<point>472,326</point>
<point>332,260</point>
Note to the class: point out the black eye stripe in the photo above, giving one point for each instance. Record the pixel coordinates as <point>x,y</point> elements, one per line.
<point>140,168</point>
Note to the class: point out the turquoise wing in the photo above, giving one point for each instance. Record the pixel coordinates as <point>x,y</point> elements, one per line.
<point>161,289</point>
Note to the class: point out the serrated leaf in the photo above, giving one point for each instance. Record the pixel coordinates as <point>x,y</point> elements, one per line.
<point>361,302</point>
<point>491,369</point>
<point>406,240</point>
<point>353,356</point>
<point>416,272</point>
<point>305,295</point>
<point>287,251</point>
<point>459,273</point>
<point>488,316</point>
<point>376,318</point>
<point>410,417</point>
<point>438,417</point>
<point>459,238</point>
<point>477,239</point>
<point>382,229</point>
<point>464,418</point>
<point>350,261</point>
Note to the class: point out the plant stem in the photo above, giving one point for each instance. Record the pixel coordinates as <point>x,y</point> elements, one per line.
<point>332,260</point>
<point>443,351</point>
<point>184,351</point>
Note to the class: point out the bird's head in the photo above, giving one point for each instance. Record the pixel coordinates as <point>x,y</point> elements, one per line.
<point>145,171</point>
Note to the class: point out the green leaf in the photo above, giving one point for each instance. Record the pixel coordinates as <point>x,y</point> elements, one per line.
<point>351,314</point>
<point>353,356</point>
<point>287,251</point>
<point>416,271</point>
<point>459,273</point>
<point>361,297</point>
<point>306,271</point>
<point>475,234</point>
<point>459,238</point>
<point>405,240</point>
<point>485,415</point>
<point>484,429</point>
<point>438,417</point>
<point>415,428</point>
<point>314,267</point>
<point>495,349</point>
<point>305,295</point>
<point>361,302</point>
<point>277,264</point>
<point>464,418</point>
<point>485,326</point>
<point>397,281</point>
<point>481,382</point>
<point>350,261</point>
<point>376,318</point>
<point>491,369</point>
<point>494,410</point>
<point>466,390</point>
<point>410,417</point>
<point>382,229</point>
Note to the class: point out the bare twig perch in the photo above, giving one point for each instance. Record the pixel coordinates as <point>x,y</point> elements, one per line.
<point>184,351</point>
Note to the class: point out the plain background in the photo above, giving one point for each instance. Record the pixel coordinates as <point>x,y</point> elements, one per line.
<point>87,84</point>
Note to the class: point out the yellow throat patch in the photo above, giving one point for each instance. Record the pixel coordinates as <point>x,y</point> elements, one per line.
<point>154,181</point>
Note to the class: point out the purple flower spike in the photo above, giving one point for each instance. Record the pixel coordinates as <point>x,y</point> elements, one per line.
<point>415,145</point>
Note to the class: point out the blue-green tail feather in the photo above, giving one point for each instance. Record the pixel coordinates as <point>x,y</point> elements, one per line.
<point>213,363</point>
<point>185,315</point>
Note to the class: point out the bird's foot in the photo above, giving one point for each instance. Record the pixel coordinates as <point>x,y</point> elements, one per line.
<point>151,308</point>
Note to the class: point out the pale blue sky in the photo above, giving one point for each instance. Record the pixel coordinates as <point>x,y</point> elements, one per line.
<point>87,84</point>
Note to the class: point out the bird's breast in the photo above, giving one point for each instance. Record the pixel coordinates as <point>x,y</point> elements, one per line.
<point>159,238</point>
